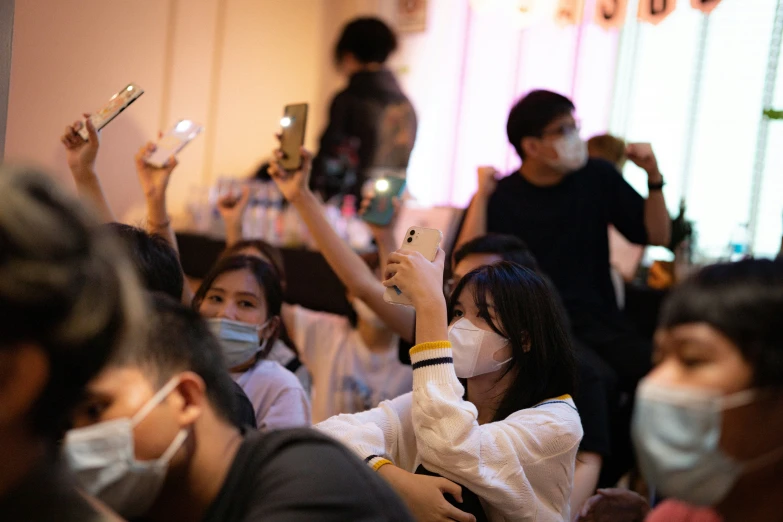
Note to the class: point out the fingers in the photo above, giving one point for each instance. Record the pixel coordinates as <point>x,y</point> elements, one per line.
<point>447,486</point>
<point>307,159</point>
<point>92,132</point>
<point>171,163</point>
<point>458,515</point>
<point>440,257</point>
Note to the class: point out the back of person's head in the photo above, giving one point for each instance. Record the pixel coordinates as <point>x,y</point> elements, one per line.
<point>178,341</point>
<point>506,247</point>
<point>527,313</point>
<point>68,296</point>
<point>156,261</point>
<point>744,302</point>
<point>609,148</point>
<point>260,249</point>
<point>368,39</point>
<point>531,115</point>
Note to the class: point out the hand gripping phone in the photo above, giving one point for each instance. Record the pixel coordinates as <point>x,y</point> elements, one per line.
<point>381,209</point>
<point>116,105</point>
<point>425,241</point>
<point>293,123</point>
<point>173,141</point>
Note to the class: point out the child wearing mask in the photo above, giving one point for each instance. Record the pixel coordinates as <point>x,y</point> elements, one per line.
<point>490,410</point>
<point>241,299</point>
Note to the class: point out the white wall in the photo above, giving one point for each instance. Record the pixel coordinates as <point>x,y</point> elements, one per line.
<point>229,64</point>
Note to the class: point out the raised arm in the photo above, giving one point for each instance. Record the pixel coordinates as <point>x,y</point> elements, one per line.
<point>154,183</point>
<point>347,264</point>
<point>656,216</point>
<point>81,156</point>
<point>475,222</point>
<point>232,210</point>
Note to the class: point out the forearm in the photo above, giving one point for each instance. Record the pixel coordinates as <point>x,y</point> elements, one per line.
<point>656,215</point>
<point>431,322</point>
<point>349,267</point>
<point>384,239</point>
<point>233,234</point>
<point>475,223</point>
<point>159,223</point>
<point>89,188</point>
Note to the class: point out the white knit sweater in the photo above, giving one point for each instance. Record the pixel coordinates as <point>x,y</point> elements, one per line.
<point>522,467</point>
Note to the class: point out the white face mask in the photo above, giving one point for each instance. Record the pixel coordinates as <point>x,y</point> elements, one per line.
<point>474,349</point>
<point>677,436</point>
<point>367,315</point>
<point>239,340</point>
<point>103,459</point>
<point>571,153</point>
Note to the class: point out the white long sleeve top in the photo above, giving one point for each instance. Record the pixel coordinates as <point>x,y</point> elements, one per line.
<point>522,467</point>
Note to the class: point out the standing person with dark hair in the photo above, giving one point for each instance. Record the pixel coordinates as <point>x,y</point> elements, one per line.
<point>561,203</point>
<point>68,301</point>
<point>153,440</point>
<point>371,122</point>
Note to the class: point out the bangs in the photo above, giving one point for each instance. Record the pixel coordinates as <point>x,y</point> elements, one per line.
<point>481,284</point>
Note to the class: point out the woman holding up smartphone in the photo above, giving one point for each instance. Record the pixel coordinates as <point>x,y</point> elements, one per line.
<point>490,409</point>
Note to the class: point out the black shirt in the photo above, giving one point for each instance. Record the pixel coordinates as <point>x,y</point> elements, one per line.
<point>371,124</point>
<point>565,226</point>
<point>300,475</point>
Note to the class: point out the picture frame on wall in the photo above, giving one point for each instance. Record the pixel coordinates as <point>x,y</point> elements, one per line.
<point>411,16</point>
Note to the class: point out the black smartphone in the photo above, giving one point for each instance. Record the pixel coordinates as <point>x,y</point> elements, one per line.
<point>293,124</point>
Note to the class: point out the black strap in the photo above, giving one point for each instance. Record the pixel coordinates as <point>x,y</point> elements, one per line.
<point>470,501</point>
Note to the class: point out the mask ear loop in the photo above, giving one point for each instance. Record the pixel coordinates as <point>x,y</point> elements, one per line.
<point>154,401</point>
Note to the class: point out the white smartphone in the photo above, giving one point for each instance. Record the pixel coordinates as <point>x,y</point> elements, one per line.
<point>174,141</point>
<point>425,241</point>
<point>116,105</point>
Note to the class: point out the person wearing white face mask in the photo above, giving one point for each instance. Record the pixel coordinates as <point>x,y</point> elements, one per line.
<point>241,299</point>
<point>153,439</point>
<point>708,422</point>
<point>561,203</point>
<point>508,433</point>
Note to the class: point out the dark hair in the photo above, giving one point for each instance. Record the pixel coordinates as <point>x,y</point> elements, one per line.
<point>65,287</point>
<point>530,116</point>
<point>270,254</point>
<point>744,301</point>
<point>509,248</point>
<point>156,261</point>
<point>179,340</point>
<point>368,39</point>
<point>532,320</point>
<point>264,274</point>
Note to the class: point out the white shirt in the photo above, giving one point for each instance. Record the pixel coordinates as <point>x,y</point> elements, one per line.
<point>281,353</point>
<point>276,394</point>
<point>522,468</point>
<point>347,376</point>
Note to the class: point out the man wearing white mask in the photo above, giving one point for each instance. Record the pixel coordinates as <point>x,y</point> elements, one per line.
<point>560,203</point>
<point>153,440</point>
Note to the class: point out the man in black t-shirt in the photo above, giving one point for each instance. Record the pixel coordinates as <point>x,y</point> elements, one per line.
<point>371,122</point>
<point>154,441</point>
<point>560,203</point>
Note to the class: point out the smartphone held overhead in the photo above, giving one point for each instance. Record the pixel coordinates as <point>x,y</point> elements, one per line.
<point>173,141</point>
<point>382,192</point>
<point>118,103</point>
<point>425,241</point>
<point>292,133</point>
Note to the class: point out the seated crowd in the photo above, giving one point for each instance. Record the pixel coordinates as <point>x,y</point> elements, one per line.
<point>526,393</point>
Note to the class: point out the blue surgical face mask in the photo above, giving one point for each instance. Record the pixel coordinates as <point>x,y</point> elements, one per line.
<point>677,434</point>
<point>239,340</point>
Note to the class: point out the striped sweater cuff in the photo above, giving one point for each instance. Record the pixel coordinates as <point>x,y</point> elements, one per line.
<point>432,362</point>
<point>376,462</point>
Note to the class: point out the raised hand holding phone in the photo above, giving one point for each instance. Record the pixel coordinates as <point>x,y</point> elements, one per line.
<point>154,180</point>
<point>293,125</point>
<point>81,153</point>
<point>173,141</point>
<point>414,273</point>
<point>382,193</point>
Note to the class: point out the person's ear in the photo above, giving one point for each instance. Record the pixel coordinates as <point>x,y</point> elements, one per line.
<point>24,373</point>
<point>191,398</point>
<point>273,327</point>
<point>530,146</point>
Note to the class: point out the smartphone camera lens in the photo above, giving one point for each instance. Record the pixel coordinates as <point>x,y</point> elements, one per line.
<point>410,240</point>
<point>413,232</point>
